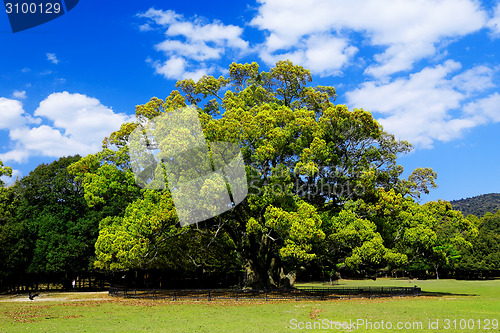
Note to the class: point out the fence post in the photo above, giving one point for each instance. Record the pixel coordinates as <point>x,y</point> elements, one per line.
<point>209,295</point>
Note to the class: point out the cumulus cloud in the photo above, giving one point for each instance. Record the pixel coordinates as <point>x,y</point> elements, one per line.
<point>494,22</point>
<point>189,44</point>
<point>176,68</point>
<point>73,124</point>
<point>406,30</point>
<point>322,54</point>
<point>322,35</point>
<point>433,104</point>
<point>52,58</point>
<point>11,113</point>
<point>19,94</point>
<point>436,103</point>
<point>474,80</point>
<point>484,110</point>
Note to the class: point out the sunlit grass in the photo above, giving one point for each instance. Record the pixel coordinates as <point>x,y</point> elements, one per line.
<point>97,312</point>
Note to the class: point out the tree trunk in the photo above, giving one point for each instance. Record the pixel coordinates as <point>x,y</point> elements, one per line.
<point>264,269</point>
<point>254,276</point>
<point>261,276</point>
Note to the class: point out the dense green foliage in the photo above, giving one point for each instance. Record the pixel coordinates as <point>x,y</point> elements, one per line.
<point>478,205</point>
<point>325,194</point>
<point>483,257</point>
<point>47,228</point>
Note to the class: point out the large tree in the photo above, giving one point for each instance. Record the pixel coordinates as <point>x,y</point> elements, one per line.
<point>304,156</point>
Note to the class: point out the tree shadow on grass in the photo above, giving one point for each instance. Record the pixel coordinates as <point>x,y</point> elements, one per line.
<point>442,294</point>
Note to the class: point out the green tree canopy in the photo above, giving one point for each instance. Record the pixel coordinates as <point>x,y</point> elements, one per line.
<point>4,171</point>
<point>14,245</point>
<point>304,157</point>
<point>61,228</point>
<point>483,257</point>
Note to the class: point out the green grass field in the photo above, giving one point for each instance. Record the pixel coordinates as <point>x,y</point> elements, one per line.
<point>447,305</point>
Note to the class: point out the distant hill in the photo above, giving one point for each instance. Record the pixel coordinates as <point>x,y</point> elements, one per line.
<point>479,205</point>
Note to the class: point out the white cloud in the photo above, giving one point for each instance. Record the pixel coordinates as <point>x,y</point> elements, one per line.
<point>494,22</point>
<point>485,110</point>
<point>19,94</point>
<point>408,30</point>
<point>10,180</point>
<point>52,58</point>
<point>190,43</point>
<point>18,155</point>
<point>161,17</point>
<point>474,80</point>
<point>76,124</point>
<point>11,113</point>
<point>145,27</point>
<point>430,105</point>
<point>321,54</point>
<point>81,117</point>
<point>43,140</point>
<point>195,50</point>
<point>437,103</point>
<point>322,35</point>
<point>175,68</point>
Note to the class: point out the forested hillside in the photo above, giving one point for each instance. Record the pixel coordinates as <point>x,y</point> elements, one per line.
<point>479,205</point>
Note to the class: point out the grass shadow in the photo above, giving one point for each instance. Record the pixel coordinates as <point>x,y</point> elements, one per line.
<point>442,294</point>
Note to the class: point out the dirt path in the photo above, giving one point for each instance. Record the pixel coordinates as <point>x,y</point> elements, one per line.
<point>58,297</point>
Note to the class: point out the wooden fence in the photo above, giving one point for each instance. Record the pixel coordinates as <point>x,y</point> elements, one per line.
<point>267,295</point>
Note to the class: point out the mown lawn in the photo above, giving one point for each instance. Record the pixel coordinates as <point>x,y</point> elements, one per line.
<point>462,306</point>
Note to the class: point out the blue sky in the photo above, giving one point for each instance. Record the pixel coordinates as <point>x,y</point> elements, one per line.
<point>426,69</point>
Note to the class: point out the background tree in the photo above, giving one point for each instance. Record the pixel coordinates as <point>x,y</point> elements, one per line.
<point>4,171</point>
<point>429,235</point>
<point>354,244</point>
<point>14,240</point>
<point>61,228</point>
<point>482,259</point>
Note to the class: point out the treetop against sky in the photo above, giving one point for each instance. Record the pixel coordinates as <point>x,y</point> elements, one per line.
<point>427,70</point>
